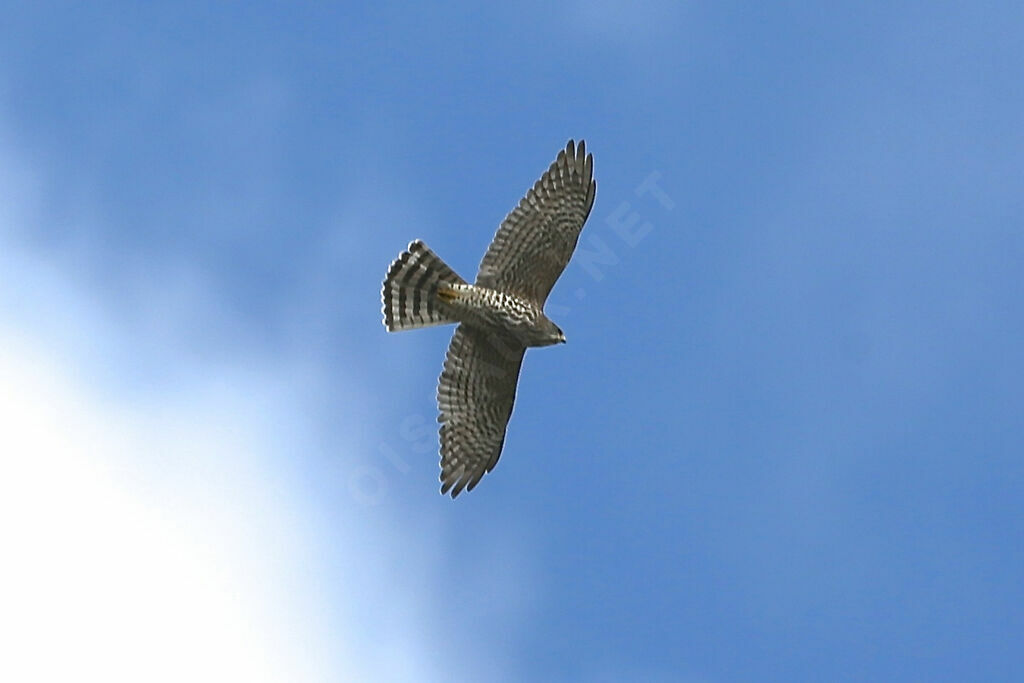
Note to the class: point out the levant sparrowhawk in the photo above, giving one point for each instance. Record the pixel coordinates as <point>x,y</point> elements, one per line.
<point>499,316</point>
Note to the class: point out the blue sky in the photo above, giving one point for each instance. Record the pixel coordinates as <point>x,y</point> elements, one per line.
<point>782,443</point>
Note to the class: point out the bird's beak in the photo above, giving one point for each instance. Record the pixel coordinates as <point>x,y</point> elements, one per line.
<point>561,339</point>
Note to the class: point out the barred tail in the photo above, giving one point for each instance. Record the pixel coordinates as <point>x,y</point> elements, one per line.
<point>410,290</point>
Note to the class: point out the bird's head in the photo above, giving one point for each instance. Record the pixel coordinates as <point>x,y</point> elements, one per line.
<point>547,333</point>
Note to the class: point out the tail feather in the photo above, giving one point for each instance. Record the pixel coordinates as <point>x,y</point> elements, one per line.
<point>410,290</point>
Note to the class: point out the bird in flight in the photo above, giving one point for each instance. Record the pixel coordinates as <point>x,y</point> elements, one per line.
<point>499,316</point>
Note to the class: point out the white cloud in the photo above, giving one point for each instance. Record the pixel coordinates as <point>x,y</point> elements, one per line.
<point>115,575</point>
<point>146,535</point>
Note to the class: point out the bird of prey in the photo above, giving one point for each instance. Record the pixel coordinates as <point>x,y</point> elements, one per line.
<point>499,316</point>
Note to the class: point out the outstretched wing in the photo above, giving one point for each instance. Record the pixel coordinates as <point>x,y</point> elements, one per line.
<point>536,241</point>
<point>475,394</point>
